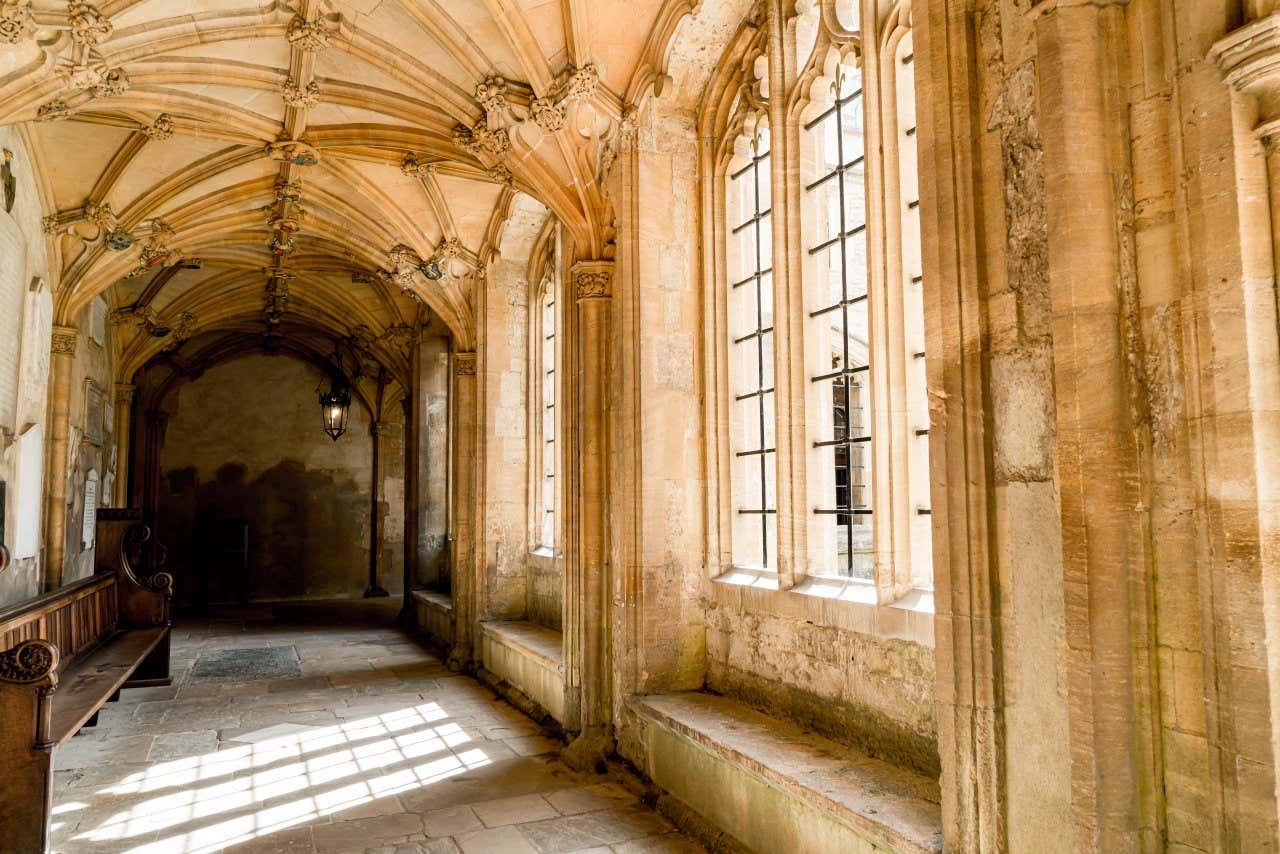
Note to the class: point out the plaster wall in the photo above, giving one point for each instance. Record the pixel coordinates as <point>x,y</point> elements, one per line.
<point>244,444</point>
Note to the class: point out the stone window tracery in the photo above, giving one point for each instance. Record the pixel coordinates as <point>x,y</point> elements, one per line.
<point>824,410</point>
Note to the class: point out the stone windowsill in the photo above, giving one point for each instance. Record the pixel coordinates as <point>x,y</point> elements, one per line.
<point>840,602</point>
<point>897,807</point>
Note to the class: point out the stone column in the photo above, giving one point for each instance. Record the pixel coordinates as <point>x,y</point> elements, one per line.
<point>462,556</point>
<point>62,359</point>
<point>412,434</point>
<point>588,586</point>
<point>377,430</point>
<point>1240,417</point>
<point>1083,115</point>
<point>123,435</point>
<point>157,421</point>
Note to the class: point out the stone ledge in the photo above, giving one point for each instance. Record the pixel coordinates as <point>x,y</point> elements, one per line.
<point>439,601</point>
<point>530,657</point>
<point>435,617</point>
<point>837,795</point>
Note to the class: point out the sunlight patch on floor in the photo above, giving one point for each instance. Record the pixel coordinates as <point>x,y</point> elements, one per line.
<point>284,780</point>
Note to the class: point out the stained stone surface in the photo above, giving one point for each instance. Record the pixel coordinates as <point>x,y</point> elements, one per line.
<point>246,665</point>
<point>373,745</point>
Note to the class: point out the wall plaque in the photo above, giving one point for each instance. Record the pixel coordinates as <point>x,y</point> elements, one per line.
<point>89,522</point>
<point>24,493</point>
<point>94,401</point>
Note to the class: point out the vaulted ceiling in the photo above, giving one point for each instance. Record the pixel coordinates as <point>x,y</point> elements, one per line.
<point>256,168</point>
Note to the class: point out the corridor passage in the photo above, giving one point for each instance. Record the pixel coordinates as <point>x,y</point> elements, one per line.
<point>323,728</point>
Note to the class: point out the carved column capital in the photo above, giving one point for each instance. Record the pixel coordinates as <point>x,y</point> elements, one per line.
<point>592,279</point>
<point>62,342</point>
<point>1250,56</point>
<point>464,364</point>
<point>124,393</point>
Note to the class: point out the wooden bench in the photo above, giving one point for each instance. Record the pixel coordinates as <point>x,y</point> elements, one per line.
<point>67,654</point>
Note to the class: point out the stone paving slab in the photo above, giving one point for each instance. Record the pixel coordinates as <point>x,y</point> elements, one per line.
<point>368,745</point>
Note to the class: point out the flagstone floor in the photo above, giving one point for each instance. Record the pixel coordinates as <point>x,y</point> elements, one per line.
<point>338,733</point>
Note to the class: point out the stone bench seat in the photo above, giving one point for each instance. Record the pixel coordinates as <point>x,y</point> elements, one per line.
<point>529,658</point>
<point>728,762</point>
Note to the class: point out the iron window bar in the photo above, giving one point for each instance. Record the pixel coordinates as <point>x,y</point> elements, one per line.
<point>841,372</point>
<point>753,277</point>
<point>750,394</point>
<point>835,107</point>
<point>753,220</point>
<point>751,335</point>
<point>857,161</point>
<point>755,160</point>
<point>847,440</point>
<point>843,511</point>
<point>843,235</point>
<point>841,304</point>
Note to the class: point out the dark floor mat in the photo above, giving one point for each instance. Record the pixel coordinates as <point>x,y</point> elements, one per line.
<point>269,662</point>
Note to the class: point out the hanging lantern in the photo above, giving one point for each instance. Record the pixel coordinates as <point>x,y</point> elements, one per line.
<point>334,406</point>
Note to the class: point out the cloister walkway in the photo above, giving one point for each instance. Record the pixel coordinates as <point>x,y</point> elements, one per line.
<point>323,728</point>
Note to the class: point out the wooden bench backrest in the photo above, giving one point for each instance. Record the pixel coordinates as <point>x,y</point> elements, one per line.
<point>75,619</point>
<point>83,614</point>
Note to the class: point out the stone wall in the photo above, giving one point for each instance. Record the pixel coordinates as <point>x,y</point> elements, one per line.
<point>244,446</point>
<point>501,392</point>
<point>544,595</point>
<point>91,445</point>
<point>873,692</point>
<point>24,371</point>
<point>1102,257</point>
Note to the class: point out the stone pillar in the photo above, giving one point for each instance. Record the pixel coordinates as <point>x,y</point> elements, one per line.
<point>412,434</point>
<point>1083,115</point>
<point>1241,423</point>
<point>123,436</point>
<point>62,359</point>
<point>462,556</point>
<point>377,430</point>
<point>156,422</point>
<point>587,589</point>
